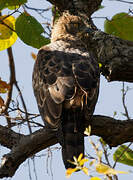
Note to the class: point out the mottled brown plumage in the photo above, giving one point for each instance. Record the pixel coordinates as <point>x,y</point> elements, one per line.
<point>66,83</point>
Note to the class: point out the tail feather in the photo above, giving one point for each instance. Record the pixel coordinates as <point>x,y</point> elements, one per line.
<point>73,135</point>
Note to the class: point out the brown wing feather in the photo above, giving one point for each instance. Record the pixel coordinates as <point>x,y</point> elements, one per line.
<point>65,84</point>
<point>87,74</point>
<point>53,83</point>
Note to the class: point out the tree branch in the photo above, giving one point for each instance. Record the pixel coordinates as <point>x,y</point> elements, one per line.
<point>26,147</point>
<point>8,137</point>
<point>74,6</point>
<point>117,131</point>
<point>23,147</point>
<point>115,55</point>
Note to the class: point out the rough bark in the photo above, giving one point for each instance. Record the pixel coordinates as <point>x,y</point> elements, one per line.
<point>117,132</point>
<point>25,147</point>
<point>76,6</point>
<point>115,55</point>
<point>9,138</point>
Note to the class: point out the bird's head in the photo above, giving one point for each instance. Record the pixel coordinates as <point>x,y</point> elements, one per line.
<point>67,26</point>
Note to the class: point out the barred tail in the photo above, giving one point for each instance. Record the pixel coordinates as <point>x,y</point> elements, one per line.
<point>73,135</point>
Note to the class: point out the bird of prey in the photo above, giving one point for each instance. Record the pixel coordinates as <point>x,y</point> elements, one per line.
<point>66,84</point>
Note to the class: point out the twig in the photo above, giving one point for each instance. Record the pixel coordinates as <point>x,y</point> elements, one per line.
<point>16,10</point>
<point>124,92</point>
<point>18,109</point>
<point>34,167</point>
<point>29,169</point>
<point>37,9</point>
<point>109,177</point>
<point>2,20</point>
<point>115,177</point>
<point>12,81</point>
<point>12,76</point>
<point>100,17</point>
<point>24,106</point>
<point>105,154</point>
<point>130,11</point>
<point>123,1</point>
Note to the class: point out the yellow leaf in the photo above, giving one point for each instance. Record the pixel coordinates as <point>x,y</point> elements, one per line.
<point>4,87</point>
<point>100,65</point>
<point>80,157</point>
<point>69,171</point>
<point>85,170</point>
<point>83,161</point>
<point>7,34</point>
<point>13,7</point>
<point>95,178</point>
<point>92,162</point>
<point>128,155</point>
<point>87,131</point>
<point>1,102</point>
<point>33,55</point>
<point>80,160</point>
<point>75,159</point>
<point>104,169</point>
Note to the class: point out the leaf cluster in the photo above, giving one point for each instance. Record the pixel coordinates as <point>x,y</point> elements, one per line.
<point>25,26</point>
<point>123,155</point>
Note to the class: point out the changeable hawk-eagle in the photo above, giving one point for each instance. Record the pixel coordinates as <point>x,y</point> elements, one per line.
<point>66,84</point>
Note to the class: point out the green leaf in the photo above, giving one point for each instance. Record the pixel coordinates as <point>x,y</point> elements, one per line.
<point>115,113</point>
<point>13,7</point>
<point>55,13</point>
<point>107,170</point>
<point>29,31</point>
<point>101,7</point>
<point>6,3</point>
<point>120,25</point>
<point>103,142</point>
<point>124,158</point>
